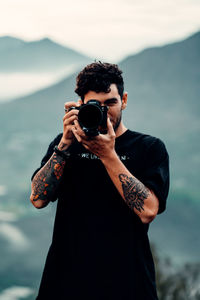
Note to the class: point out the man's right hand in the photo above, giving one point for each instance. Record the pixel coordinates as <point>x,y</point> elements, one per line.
<point>68,122</point>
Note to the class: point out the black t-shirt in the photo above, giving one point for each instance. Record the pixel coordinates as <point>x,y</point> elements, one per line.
<point>100,247</point>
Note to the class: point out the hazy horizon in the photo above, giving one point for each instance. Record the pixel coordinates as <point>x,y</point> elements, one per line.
<point>108,30</point>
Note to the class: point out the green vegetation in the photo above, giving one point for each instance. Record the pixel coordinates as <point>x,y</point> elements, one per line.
<point>176,284</point>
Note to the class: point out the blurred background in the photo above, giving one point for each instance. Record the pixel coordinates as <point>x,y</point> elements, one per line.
<point>43,45</point>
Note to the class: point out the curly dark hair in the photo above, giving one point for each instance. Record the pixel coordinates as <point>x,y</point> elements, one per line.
<point>98,77</point>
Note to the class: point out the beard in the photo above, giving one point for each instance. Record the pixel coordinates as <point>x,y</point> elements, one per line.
<point>115,126</point>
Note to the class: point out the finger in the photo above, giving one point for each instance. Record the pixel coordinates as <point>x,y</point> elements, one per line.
<point>77,136</point>
<point>86,146</point>
<point>79,129</point>
<point>82,134</point>
<point>70,113</point>
<point>110,127</point>
<point>73,112</point>
<point>70,104</point>
<point>70,120</point>
<point>77,125</point>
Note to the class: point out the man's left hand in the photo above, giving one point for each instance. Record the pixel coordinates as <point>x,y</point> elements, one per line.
<point>102,145</point>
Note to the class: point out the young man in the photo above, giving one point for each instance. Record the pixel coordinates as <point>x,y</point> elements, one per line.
<point>109,188</point>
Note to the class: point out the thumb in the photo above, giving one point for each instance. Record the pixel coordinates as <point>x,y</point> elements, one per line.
<point>110,127</point>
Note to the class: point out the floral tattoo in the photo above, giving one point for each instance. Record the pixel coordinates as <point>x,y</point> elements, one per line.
<point>134,191</point>
<point>47,181</point>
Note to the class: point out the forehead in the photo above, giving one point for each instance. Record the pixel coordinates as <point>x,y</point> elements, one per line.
<point>103,96</point>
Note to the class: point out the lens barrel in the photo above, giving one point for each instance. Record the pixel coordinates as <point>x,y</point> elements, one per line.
<point>92,115</point>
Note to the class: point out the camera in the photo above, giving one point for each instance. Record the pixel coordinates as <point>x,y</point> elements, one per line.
<point>92,115</point>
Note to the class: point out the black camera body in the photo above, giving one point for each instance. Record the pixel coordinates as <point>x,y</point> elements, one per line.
<point>91,116</point>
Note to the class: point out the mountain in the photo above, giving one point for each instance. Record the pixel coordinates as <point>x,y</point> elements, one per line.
<point>8,42</point>
<point>42,55</point>
<point>171,72</point>
<point>164,88</point>
<point>163,100</point>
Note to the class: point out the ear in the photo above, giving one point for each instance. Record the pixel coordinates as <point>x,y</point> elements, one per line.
<point>124,100</point>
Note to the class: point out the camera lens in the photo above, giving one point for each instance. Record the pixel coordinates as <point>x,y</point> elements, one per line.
<point>90,116</point>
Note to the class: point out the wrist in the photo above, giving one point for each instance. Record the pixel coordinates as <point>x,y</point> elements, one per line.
<point>63,145</point>
<point>62,153</point>
<point>111,156</point>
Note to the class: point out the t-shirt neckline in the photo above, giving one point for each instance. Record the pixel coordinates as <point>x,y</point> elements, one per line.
<point>122,136</point>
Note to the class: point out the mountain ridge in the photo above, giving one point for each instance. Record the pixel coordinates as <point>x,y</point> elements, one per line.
<point>38,55</point>
<point>126,60</point>
<point>195,36</point>
<point>163,100</point>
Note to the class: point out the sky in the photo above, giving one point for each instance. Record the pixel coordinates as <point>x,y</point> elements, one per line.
<point>103,29</point>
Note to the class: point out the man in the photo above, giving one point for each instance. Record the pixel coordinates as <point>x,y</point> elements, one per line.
<point>109,188</point>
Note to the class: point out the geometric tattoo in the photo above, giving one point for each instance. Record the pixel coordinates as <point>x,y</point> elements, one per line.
<point>46,182</point>
<point>134,192</point>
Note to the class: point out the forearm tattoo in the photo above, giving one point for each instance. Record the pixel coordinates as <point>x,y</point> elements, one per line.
<point>48,178</point>
<point>62,146</point>
<point>134,192</point>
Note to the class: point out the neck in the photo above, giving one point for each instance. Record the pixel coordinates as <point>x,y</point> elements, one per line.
<point>120,129</point>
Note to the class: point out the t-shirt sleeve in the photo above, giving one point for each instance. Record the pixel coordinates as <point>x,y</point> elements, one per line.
<point>48,154</point>
<point>156,173</point>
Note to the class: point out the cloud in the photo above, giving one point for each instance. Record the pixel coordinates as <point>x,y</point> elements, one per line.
<point>14,236</point>
<point>15,293</point>
<point>101,28</point>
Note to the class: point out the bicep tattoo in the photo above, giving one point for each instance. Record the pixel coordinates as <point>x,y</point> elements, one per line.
<point>46,181</point>
<point>134,192</point>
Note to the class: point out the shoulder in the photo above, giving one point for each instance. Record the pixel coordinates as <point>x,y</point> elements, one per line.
<point>143,137</point>
<point>56,140</point>
<point>53,143</point>
<point>148,142</point>
<point>49,152</point>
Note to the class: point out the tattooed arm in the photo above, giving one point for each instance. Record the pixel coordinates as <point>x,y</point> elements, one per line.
<point>46,181</point>
<point>136,195</point>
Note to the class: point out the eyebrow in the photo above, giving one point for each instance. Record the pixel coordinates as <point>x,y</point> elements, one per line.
<point>110,100</point>
<point>107,101</point>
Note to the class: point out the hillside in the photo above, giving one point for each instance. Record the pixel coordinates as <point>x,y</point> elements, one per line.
<point>40,55</point>
<point>163,100</point>
<point>164,88</point>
